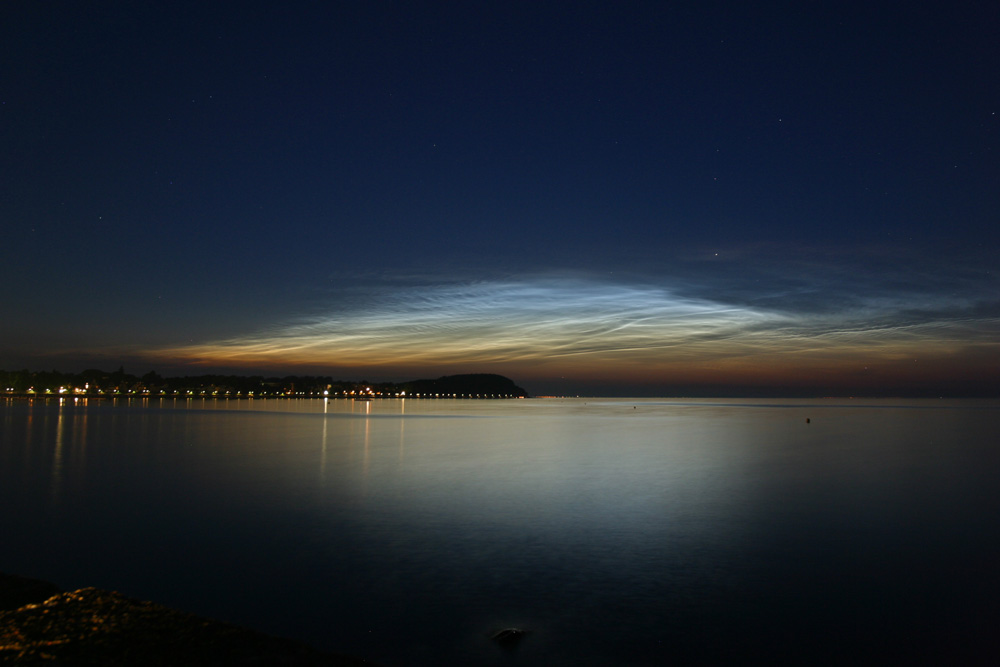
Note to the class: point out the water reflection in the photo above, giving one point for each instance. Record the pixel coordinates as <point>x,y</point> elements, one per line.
<point>322,457</point>
<point>367,442</point>
<point>402,431</point>
<point>699,526</point>
<point>57,456</point>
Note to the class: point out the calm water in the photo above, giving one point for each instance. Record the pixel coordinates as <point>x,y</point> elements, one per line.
<point>619,532</point>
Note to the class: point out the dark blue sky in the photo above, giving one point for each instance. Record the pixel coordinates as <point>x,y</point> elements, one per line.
<point>557,191</point>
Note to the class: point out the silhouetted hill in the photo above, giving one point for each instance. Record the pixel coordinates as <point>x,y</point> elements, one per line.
<point>483,384</point>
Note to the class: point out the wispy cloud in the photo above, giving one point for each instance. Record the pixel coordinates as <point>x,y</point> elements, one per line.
<point>593,322</point>
<point>498,321</point>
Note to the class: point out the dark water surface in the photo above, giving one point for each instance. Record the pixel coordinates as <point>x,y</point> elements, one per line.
<point>619,532</point>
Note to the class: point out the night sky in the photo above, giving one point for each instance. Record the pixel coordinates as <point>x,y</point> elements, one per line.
<point>699,198</point>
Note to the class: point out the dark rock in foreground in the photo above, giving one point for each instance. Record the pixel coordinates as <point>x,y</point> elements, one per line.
<point>18,591</point>
<point>97,627</point>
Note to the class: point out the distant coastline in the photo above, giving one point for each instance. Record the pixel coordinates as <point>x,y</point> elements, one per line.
<point>98,385</point>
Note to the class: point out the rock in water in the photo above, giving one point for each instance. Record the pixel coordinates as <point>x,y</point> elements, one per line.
<point>509,636</point>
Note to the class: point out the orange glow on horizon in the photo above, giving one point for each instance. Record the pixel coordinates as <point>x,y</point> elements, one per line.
<point>609,333</point>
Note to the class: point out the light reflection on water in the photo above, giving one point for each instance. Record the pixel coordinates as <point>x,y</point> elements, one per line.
<point>619,531</point>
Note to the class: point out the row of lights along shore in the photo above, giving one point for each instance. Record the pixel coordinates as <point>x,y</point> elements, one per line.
<point>366,395</point>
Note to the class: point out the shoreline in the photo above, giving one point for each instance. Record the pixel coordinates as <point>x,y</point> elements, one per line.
<point>245,397</point>
<point>39,623</point>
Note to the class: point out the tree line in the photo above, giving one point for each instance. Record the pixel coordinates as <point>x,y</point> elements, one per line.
<point>96,382</point>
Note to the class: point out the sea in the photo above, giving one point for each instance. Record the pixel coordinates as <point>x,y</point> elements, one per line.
<point>612,531</point>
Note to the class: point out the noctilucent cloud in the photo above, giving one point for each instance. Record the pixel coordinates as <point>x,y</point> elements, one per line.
<point>589,198</point>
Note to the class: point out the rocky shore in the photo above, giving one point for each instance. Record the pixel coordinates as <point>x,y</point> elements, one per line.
<point>39,624</point>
